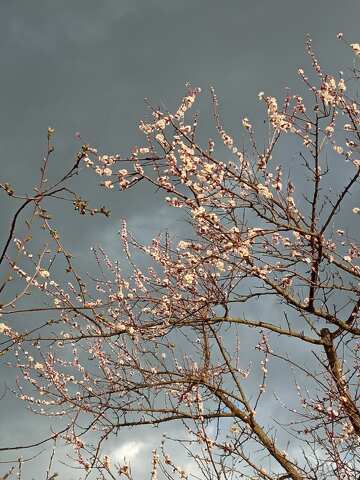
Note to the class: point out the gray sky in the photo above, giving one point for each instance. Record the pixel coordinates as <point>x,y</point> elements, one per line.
<point>86,65</point>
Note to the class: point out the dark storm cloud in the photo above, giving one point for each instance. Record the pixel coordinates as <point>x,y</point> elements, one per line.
<point>86,66</point>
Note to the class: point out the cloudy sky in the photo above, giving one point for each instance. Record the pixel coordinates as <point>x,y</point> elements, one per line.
<point>87,65</point>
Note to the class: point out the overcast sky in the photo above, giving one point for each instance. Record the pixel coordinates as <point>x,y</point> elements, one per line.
<point>86,66</point>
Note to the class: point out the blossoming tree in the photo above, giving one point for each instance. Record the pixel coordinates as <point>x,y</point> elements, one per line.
<point>177,339</point>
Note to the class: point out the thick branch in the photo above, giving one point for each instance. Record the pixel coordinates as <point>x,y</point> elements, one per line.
<point>336,371</point>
